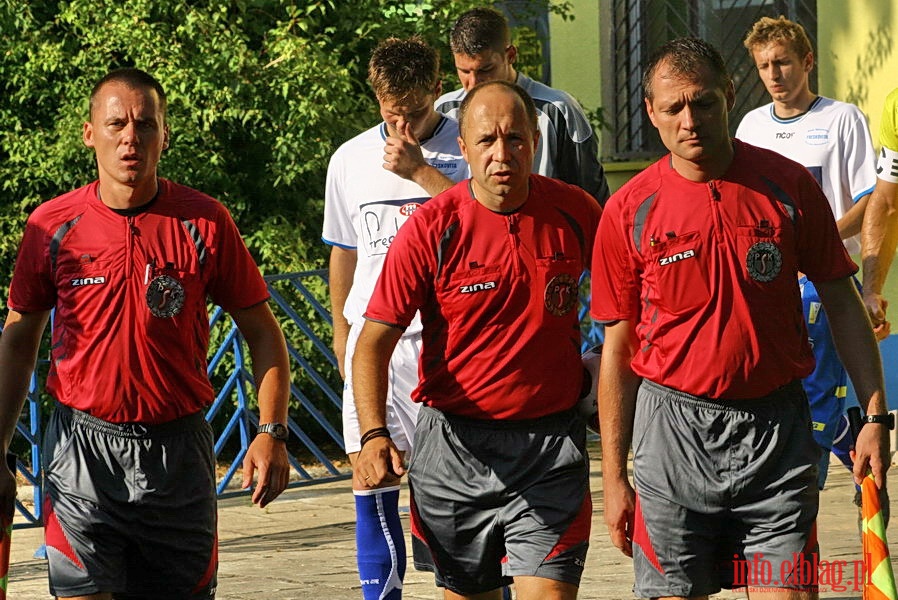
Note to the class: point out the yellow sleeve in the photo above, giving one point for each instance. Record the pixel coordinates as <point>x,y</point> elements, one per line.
<point>888,128</point>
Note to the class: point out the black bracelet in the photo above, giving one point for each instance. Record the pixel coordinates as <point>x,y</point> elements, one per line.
<point>374,433</point>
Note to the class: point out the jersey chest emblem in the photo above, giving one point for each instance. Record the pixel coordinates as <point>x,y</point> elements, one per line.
<point>562,294</point>
<point>817,137</point>
<point>764,261</point>
<point>407,210</point>
<point>165,296</point>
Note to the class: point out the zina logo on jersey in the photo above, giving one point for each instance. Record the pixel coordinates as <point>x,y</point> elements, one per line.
<point>668,260</point>
<point>88,281</point>
<point>477,287</point>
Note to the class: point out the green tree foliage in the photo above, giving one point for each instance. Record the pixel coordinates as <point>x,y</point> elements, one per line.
<point>260,94</point>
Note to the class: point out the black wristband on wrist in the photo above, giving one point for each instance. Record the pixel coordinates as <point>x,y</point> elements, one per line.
<point>887,419</point>
<point>374,433</point>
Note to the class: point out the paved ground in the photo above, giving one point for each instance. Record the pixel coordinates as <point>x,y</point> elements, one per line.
<point>302,547</point>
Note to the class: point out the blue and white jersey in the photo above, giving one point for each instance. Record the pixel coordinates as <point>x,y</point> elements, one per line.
<point>365,205</point>
<point>832,140</point>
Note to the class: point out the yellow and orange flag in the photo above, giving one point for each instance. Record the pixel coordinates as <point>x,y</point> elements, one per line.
<point>879,583</point>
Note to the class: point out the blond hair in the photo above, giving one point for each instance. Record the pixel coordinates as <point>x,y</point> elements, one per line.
<point>782,30</point>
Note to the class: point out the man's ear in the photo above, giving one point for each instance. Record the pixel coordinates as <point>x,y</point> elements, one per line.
<point>650,112</point>
<point>463,148</point>
<point>87,134</point>
<point>808,62</point>
<point>511,54</point>
<point>165,137</point>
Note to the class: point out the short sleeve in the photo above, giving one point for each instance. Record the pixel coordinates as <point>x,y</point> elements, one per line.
<point>888,126</point>
<point>614,274</point>
<point>32,288</point>
<point>236,282</point>
<point>859,164</point>
<point>339,227</point>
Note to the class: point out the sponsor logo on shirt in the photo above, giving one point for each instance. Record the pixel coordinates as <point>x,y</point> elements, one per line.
<point>446,166</point>
<point>817,137</point>
<point>88,281</point>
<point>784,135</point>
<point>813,312</point>
<point>380,220</point>
<point>477,287</point>
<point>669,260</point>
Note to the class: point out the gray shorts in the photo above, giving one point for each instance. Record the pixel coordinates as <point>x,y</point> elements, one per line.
<point>496,500</point>
<point>130,509</point>
<point>719,482</point>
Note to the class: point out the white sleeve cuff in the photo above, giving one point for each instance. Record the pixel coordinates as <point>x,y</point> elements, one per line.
<point>887,167</point>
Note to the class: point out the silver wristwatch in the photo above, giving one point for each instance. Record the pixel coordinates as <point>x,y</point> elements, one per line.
<point>276,430</point>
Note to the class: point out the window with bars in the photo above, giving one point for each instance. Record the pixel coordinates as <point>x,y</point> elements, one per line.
<point>642,26</point>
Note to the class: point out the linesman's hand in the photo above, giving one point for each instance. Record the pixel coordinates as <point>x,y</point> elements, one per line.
<point>871,453</point>
<point>620,511</point>
<point>269,456</point>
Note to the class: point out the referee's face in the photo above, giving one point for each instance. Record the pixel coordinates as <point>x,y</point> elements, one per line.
<point>498,141</point>
<point>690,113</point>
<point>127,132</point>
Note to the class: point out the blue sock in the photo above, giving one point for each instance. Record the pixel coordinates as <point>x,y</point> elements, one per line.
<point>380,543</point>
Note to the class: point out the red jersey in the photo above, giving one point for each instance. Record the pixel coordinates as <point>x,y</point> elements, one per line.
<point>131,329</point>
<point>498,295</point>
<point>708,272</point>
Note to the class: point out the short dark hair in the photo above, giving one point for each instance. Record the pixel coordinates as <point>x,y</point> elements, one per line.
<point>529,106</point>
<point>134,79</point>
<point>399,68</point>
<point>684,57</point>
<point>478,30</point>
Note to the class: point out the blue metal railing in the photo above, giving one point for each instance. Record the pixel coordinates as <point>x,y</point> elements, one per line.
<point>298,300</point>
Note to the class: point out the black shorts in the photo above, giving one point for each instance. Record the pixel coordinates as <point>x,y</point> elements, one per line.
<point>130,509</point>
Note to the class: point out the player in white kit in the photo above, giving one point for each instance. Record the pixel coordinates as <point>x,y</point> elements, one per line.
<point>375,181</point>
<point>832,140</point>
